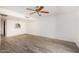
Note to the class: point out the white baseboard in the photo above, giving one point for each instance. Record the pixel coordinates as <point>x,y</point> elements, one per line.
<point>77,43</point>
<point>54,37</point>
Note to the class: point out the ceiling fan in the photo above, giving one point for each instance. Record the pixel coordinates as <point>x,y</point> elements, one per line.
<point>38,10</point>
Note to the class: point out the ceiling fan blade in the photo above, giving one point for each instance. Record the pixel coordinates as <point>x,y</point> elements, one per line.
<point>32,13</point>
<point>44,11</point>
<point>30,9</point>
<point>40,8</point>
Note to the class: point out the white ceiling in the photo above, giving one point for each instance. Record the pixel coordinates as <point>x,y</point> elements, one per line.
<point>53,10</point>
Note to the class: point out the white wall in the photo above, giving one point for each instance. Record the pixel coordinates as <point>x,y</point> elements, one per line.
<point>66,26</point>
<point>11,29</point>
<point>42,26</point>
<point>77,29</point>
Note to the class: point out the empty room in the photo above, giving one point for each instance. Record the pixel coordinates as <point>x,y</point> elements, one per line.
<point>39,29</point>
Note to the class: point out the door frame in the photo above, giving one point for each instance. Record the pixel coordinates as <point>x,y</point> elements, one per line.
<point>3,21</point>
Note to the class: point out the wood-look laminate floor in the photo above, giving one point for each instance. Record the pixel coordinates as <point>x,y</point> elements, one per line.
<point>36,44</point>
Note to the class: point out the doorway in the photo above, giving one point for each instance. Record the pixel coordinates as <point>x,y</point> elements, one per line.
<point>2,30</point>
